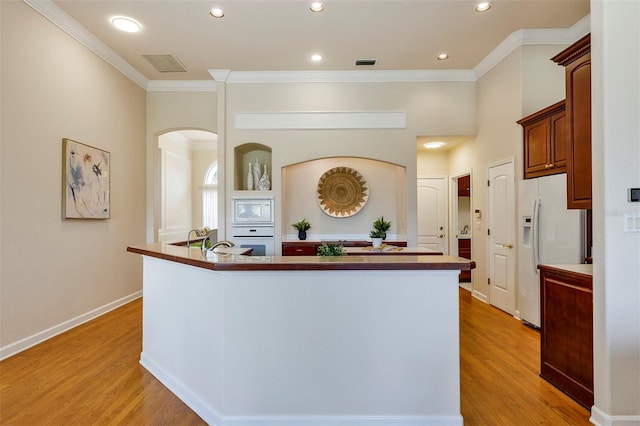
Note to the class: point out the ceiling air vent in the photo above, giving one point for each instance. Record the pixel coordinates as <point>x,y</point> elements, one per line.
<point>165,63</point>
<point>366,62</point>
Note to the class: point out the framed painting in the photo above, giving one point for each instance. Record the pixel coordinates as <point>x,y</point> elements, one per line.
<point>85,181</point>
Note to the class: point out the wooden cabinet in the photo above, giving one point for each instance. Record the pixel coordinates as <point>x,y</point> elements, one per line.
<point>299,248</point>
<point>464,186</point>
<point>310,248</point>
<point>464,250</point>
<point>566,332</point>
<point>577,62</point>
<point>545,142</point>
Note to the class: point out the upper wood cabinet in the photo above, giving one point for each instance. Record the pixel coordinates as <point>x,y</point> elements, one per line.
<point>577,62</point>
<point>464,186</point>
<point>545,142</point>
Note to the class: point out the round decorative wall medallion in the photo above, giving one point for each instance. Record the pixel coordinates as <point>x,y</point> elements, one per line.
<point>342,192</point>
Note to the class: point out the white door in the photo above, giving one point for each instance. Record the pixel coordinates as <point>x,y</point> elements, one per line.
<point>432,213</point>
<point>502,293</point>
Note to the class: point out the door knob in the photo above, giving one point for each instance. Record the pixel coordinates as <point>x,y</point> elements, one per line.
<point>441,236</point>
<point>509,246</point>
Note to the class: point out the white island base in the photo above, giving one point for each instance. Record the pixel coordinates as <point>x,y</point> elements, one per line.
<point>305,347</point>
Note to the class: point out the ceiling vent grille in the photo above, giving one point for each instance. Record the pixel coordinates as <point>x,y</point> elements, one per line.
<point>365,62</point>
<point>165,63</point>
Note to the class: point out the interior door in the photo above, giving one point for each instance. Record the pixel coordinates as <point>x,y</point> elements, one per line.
<point>501,237</point>
<point>432,213</point>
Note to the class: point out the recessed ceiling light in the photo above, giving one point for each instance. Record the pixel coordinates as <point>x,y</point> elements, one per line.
<point>443,56</point>
<point>433,145</point>
<point>483,6</point>
<point>216,12</point>
<point>125,24</point>
<point>316,6</point>
<point>316,57</point>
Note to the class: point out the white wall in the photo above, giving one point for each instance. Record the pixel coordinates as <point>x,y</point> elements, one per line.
<point>54,271</point>
<point>615,56</point>
<point>201,161</point>
<point>175,189</point>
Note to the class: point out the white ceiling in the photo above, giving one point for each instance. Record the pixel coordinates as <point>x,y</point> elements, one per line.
<point>266,35</point>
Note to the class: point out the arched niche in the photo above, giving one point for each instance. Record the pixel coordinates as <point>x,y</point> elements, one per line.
<point>245,154</point>
<point>387,183</point>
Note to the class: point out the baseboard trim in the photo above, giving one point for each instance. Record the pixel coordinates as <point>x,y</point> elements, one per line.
<point>214,418</point>
<point>201,408</point>
<point>600,418</point>
<point>30,341</point>
<point>480,296</point>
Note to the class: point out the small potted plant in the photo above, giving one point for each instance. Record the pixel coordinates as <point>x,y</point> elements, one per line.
<point>379,231</point>
<point>331,249</point>
<point>302,226</point>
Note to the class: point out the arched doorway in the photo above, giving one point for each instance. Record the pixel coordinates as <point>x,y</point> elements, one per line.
<point>185,158</point>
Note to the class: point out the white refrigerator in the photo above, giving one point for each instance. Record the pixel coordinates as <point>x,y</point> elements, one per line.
<point>549,233</point>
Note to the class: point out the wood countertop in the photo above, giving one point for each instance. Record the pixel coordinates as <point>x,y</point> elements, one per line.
<point>579,268</point>
<point>193,256</point>
<point>391,250</point>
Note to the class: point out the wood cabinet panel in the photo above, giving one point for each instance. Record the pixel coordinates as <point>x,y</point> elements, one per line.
<point>566,333</point>
<point>464,250</point>
<point>310,248</point>
<point>464,186</point>
<point>577,62</point>
<point>545,142</point>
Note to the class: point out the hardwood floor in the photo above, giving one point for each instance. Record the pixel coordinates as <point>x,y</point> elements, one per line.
<point>91,375</point>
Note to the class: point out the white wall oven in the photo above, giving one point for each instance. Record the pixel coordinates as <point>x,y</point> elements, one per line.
<point>253,225</point>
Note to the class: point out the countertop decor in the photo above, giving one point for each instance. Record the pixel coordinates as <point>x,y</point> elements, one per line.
<point>342,192</point>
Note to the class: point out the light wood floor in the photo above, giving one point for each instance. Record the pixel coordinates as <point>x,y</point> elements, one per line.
<point>91,375</point>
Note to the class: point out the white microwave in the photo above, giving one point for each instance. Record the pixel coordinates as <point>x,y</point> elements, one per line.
<point>252,211</point>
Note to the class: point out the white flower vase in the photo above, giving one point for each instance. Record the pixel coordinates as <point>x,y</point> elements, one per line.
<point>265,183</point>
<point>377,242</point>
<point>250,178</point>
<point>256,173</point>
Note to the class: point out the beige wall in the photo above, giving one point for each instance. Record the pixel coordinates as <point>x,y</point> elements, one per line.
<point>55,270</point>
<point>615,58</point>
<point>167,111</point>
<point>524,82</point>
<point>431,109</point>
<point>385,182</point>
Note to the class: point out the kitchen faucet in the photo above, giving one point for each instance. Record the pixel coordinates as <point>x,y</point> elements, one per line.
<point>204,249</point>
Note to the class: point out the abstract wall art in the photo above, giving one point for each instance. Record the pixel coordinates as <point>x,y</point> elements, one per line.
<point>86,175</point>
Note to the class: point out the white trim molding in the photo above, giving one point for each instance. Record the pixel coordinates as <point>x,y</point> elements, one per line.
<point>600,418</point>
<point>350,76</point>
<point>320,120</point>
<point>182,86</point>
<point>27,342</point>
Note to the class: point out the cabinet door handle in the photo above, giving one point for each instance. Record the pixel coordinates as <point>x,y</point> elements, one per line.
<point>509,246</point>
<point>441,236</point>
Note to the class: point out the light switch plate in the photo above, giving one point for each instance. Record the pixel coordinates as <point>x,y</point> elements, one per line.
<point>632,222</point>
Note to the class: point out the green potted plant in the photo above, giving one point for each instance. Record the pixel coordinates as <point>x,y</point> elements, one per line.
<point>379,231</point>
<point>302,226</point>
<point>330,249</point>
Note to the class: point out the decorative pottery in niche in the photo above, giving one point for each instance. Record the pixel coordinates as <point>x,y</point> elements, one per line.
<point>342,192</point>
<point>256,173</point>
<point>250,178</point>
<point>264,184</point>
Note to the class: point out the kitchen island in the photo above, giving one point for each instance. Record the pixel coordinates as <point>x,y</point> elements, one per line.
<point>304,340</point>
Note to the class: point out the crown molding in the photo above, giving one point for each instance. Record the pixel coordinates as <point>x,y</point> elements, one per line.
<point>66,23</point>
<point>530,37</point>
<point>182,86</point>
<point>351,76</point>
